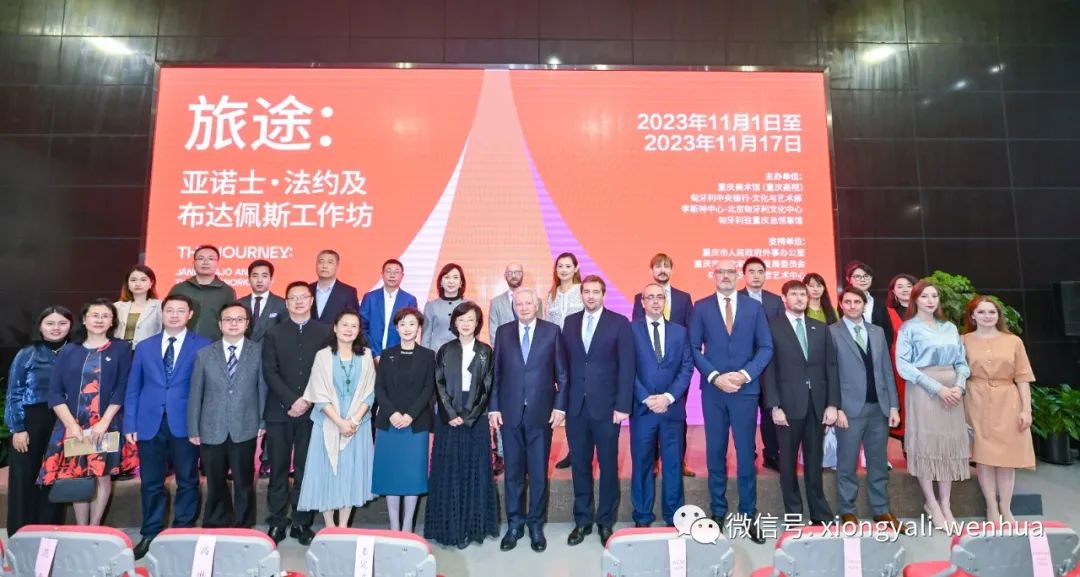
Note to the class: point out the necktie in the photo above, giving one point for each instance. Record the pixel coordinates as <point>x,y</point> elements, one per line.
<point>525,344</point>
<point>729,314</point>
<point>800,331</point>
<point>667,307</point>
<point>512,309</point>
<point>231,364</point>
<point>256,311</point>
<point>656,341</point>
<point>170,358</point>
<point>859,338</point>
<point>588,333</point>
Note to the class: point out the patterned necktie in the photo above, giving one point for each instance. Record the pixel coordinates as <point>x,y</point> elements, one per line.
<point>859,338</point>
<point>231,364</point>
<point>170,358</point>
<point>525,344</point>
<point>588,333</point>
<point>256,311</point>
<point>800,331</point>
<point>729,314</point>
<point>656,341</point>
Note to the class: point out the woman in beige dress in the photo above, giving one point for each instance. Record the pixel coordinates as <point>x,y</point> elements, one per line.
<point>998,404</point>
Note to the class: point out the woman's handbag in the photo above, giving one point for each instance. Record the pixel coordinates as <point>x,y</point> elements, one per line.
<point>72,490</point>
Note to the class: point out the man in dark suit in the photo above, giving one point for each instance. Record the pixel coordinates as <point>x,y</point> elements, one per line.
<point>803,391</point>
<point>378,307</point>
<point>224,417</point>
<point>859,275</point>
<point>288,355</point>
<point>528,401</point>
<point>331,294</point>
<point>731,345</point>
<point>677,309</point>
<point>869,406</point>
<point>754,279</point>
<point>156,419</point>
<point>664,366</point>
<point>600,353</point>
<point>266,308</point>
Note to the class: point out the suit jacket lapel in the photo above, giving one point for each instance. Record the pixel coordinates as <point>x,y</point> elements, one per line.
<point>793,339</point>
<point>846,337</point>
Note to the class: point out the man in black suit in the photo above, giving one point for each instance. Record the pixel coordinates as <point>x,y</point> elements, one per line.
<point>600,354</point>
<point>266,308</point>
<point>288,353</point>
<point>802,388</point>
<point>859,275</point>
<point>754,279</point>
<point>331,294</point>
<point>528,401</point>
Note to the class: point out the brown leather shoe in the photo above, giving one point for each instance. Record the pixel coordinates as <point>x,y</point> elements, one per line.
<point>846,518</point>
<point>892,521</point>
<point>686,472</point>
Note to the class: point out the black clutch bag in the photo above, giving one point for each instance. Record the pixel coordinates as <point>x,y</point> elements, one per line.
<point>72,490</point>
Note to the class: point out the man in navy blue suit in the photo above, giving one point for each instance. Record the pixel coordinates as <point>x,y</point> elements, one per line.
<point>155,417</point>
<point>600,353</point>
<point>331,294</point>
<point>528,401</point>
<point>753,270</point>
<point>732,345</point>
<point>664,366</point>
<point>378,308</point>
<point>677,309</point>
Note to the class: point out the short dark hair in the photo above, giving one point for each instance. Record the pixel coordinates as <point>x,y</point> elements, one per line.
<point>233,304</point>
<point>596,279</point>
<point>393,261</point>
<point>217,252</point>
<point>181,298</point>
<point>125,291</point>
<point>791,285</point>
<point>330,251</point>
<point>445,270</point>
<point>360,344</point>
<point>463,309</point>
<point>297,283</point>
<point>853,290</point>
<point>752,260</point>
<point>853,266</point>
<point>407,311</point>
<point>50,310</point>
<point>257,263</point>
<point>80,333</point>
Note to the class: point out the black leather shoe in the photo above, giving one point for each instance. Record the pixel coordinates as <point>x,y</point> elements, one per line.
<point>564,463</point>
<point>509,541</point>
<point>641,525</point>
<point>578,534</point>
<point>754,532</point>
<point>773,464</point>
<point>306,536</point>
<point>539,542</point>
<point>142,548</point>
<point>605,533</point>
<point>264,470</point>
<point>278,533</point>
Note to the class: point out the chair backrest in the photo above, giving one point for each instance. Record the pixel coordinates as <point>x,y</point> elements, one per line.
<point>640,552</point>
<point>396,554</point>
<point>816,551</point>
<point>1005,551</point>
<point>237,553</point>
<point>80,551</point>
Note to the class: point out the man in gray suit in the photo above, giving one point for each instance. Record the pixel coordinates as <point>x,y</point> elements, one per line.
<point>869,406</point>
<point>501,308</point>
<point>224,417</point>
<point>265,308</point>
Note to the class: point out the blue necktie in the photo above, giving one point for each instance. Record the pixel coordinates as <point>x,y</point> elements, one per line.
<point>525,344</point>
<point>170,358</point>
<point>588,333</point>
<point>231,365</point>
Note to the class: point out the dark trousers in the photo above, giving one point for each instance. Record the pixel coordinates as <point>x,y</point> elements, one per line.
<point>809,434</point>
<point>222,509</point>
<point>646,432</point>
<point>28,503</point>
<point>155,456</point>
<point>586,437</point>
<point>730,415</point>
<point>287,442</point>
<point>526,450</point>
<point>769,439</point>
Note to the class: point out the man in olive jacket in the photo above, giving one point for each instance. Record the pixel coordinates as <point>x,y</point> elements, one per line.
<point>208,292</point>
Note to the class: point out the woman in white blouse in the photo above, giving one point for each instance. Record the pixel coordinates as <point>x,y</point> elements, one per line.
<point>138,311</point>
<point>564,298</point>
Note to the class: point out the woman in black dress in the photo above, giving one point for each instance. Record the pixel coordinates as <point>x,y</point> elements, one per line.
<point>462,504</point>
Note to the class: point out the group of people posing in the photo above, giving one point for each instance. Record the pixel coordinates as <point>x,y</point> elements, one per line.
<point>349,390</point>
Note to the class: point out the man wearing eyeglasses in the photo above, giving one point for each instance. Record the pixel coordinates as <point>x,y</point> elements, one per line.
<point>207,291</point>
<point>732,345</point>
<point>288,353</point>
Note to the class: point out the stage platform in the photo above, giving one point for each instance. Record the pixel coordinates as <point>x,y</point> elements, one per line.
<point>904,494</point>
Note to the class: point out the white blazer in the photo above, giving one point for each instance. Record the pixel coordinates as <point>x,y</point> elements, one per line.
<point>149,321</point>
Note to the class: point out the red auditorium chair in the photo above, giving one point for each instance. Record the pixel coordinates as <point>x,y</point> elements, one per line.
<point>1002,554</point>
<point>639,552</point>
<point>814,552</point>
<point>237,553</point>
<point>333,553</point>
<point>80,551</point>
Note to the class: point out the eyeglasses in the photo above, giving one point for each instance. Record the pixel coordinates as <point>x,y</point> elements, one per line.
<point>100,317</point>
<point>727,271</point>
<point>234,320</point>
<point>653,297</point>
<point>862,276</point>
<point>298,299</point>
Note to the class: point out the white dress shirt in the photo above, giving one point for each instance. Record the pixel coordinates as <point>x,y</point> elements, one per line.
<point>239,347</point>
<point>868,310</point>
<point>388,313</point>
<point>792,317</point>
<point>176,346</point>
<point>662,328</point>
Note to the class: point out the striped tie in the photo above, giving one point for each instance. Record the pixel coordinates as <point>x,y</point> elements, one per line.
<point>231,364</point>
